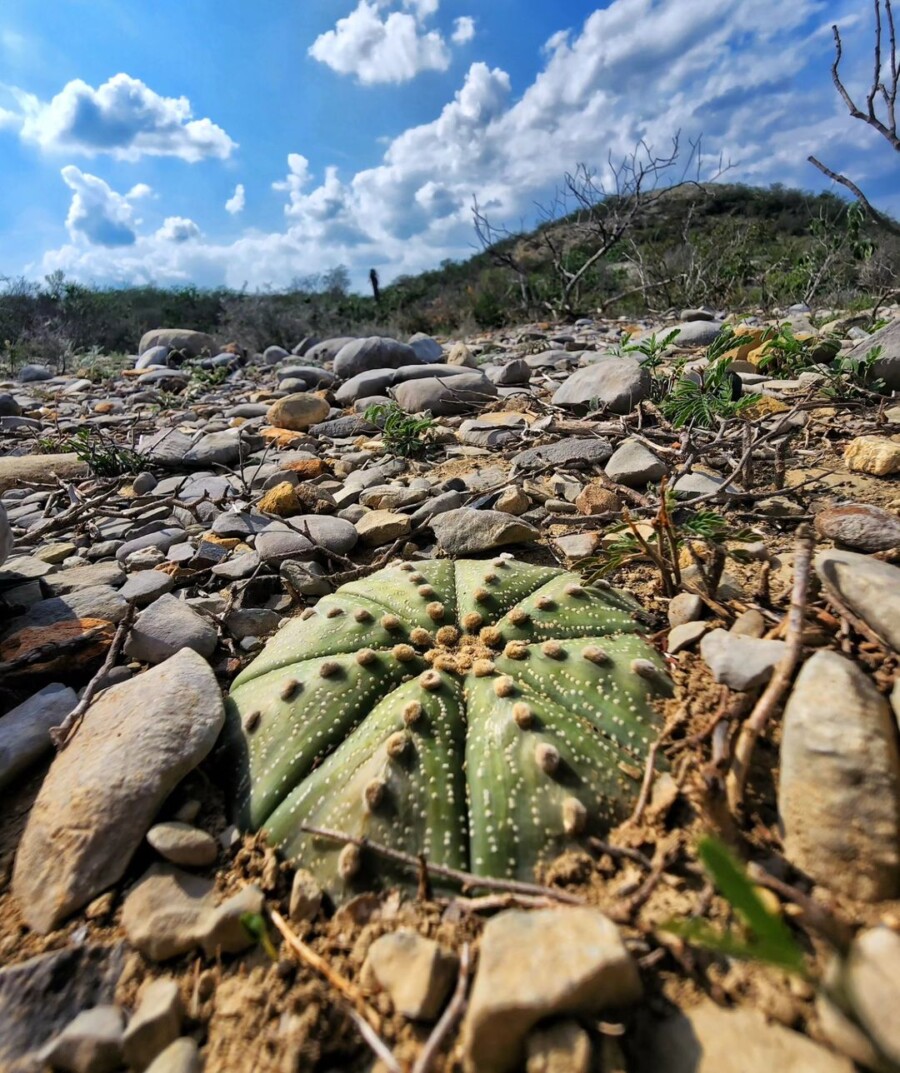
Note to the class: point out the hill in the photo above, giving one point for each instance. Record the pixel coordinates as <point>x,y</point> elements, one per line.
<point>721,244</point>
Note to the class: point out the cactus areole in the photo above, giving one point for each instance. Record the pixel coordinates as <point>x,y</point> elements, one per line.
<point>487,714</point>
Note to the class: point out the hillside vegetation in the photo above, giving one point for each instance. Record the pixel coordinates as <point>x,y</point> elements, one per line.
<point>727,245</point>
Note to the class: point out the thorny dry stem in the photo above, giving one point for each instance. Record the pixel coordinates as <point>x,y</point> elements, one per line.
<point>467,880</point>
<point>61,735</point>
<point>756,722</point>
<point>346,988</point>
<point>450,1016</point>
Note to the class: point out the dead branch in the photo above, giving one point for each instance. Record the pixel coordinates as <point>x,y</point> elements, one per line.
<point>63,734</point>
<point>882,92</point>
<point>756,722</point>
<point>467,880</point>
<point>346,988</point>
<point>449,1017</point>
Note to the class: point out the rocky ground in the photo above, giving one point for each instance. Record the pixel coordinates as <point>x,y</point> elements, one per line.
<point>160,522</point>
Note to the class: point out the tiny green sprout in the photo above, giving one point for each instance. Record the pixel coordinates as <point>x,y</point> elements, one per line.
<point>255,926</point>
<point>765,937</point>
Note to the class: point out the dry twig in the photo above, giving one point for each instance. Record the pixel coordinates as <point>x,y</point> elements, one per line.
<point>63,734</point>
<point>467,880</point>
<point>756,722</point>
<point>346,988</point>
<point>449,1017</point>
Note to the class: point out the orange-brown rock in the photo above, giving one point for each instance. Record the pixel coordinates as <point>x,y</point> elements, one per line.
<point>594,498</point>
<point>61,646</point>
<point>307,468</point>
<point>281,500</point>
<point>282,437</point>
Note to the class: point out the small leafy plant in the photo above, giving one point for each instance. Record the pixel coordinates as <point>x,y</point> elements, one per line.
<point>402,433</point>
<point>702,401</point>
<point>763,936</point>
<point>850,377</point>
<point>673,529</point>
<point>104,456</point>
<point>652,348</point>
<point>786,355</point>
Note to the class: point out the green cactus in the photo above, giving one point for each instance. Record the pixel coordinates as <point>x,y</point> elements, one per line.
<point>487,714</point>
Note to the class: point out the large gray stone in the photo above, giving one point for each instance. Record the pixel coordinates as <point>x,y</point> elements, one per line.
<point>416,972</point>
<point>91,1043</point>
<point>137,742</point>
<point>467,531</point>
<point>616,384</point>
<point>741,663</point>
<point>443,396</point>
<point>695,332</point>
<point>332,534</point>
<point>217,449</point>
<point>167,626</point>
<point>182,1056</point>
<point>887,367</point>
<point>569,452</point>
<point>192,343</point>
<point>426,348</point>
<point>31,374</point>
<point>272,355</point>
<point>96,601</point>
<point>534,965</point>
<point>839,790</point>
<point>375,352</point>
<point>155,355</point>
<point>635,465</point>
<point>869,587</point>
<point>166,447</point>
<point>34,1008</point>
<point>25,731</point>
<point>327,349</point>
<point>709,1039</point>
<point>155,1024</point>
<point>377,381</point>
<point>860,525</point>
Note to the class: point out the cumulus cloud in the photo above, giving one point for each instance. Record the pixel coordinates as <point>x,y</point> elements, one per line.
<point>97,213</point>
<point>177,229</point>
<point>237,201</point>
<point>601,88</point>
<point>463,30</point>
<point>297,178</point>
<point>390,49</point>
<point>123,118</point>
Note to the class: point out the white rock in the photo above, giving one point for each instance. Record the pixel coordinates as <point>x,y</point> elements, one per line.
<point>416,972</point>
<point>741,663</point>
<point>155,1024</point>
<point>539,964</point>
<point>839,789</point>
<point>103,790</point>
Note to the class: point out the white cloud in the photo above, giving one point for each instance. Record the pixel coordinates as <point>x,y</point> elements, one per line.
<point>238,200</point>
<point>601,88</point>
<point>463,30</point>
<point>423,8</point>
<point>97,213</point>
<point>376,49</point>
<point>177,229</point>
<point>123,118</point>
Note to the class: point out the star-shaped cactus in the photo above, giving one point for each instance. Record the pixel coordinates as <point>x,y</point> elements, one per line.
<point>486,714</point>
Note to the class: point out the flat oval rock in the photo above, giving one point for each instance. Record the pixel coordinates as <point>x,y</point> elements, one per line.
<point>860,526</point>
<point>103,790</point>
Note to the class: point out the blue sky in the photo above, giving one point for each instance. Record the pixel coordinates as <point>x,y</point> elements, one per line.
<point>187,141</point>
